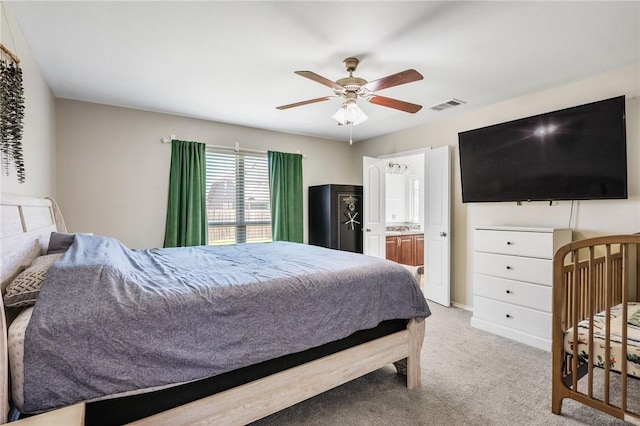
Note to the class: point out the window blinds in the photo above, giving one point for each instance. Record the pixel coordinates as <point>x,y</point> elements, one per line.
<point>237,197</point>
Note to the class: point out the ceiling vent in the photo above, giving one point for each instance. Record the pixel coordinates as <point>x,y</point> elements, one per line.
<point>448,104</point>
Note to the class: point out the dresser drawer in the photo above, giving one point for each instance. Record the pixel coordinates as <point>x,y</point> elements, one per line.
<point>515,243</point>
<point>515,317</point>
<point>517,292</point>
<point>530,269</point>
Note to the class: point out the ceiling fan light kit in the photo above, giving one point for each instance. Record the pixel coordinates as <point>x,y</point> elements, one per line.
<point>351,88</point>
<point>349,112</point>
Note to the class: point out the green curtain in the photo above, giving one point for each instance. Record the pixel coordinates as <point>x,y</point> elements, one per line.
<point>186,208</point>
<point>285,192</point>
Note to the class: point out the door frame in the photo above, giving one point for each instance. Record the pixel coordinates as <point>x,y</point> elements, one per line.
<point>445,300</point>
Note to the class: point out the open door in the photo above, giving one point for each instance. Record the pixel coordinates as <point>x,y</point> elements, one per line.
<point>374,225</point>
<point>437,232</point>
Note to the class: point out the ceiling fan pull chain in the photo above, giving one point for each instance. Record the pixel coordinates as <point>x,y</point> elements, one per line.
<point>350,133</point>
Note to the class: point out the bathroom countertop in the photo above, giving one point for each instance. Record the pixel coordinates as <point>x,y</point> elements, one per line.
<point>405,232</point>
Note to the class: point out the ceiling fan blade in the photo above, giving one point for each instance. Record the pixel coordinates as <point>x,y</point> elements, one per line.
<point>394,103</point>
<point>396,79</point>
<point>318,78</point>
<point>310,101</point>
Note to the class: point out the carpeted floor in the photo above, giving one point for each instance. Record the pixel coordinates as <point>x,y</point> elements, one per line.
<point>469,377</point>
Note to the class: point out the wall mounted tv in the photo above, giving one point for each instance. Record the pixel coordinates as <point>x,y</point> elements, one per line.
<point>576,153</point>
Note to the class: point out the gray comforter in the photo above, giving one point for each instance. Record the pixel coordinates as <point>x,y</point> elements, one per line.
<point>110,319</point>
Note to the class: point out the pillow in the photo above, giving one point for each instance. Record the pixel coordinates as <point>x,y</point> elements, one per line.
<point>59,243</point>
<point>24,289</point>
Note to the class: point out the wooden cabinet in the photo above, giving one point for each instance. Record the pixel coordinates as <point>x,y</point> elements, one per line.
<point>391,245</point>
<point>419,249</point>
<point>407,249</point>
<point>512,281</point>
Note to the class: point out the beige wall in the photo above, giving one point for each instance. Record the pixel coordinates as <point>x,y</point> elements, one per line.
<point>113,171</point>
<point>38,138</point>
<point>590,218</point>
<point>109,171</point>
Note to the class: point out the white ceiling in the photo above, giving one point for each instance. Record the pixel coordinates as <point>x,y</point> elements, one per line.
<point>234,62</point>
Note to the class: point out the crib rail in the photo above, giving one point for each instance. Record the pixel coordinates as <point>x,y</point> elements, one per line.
<point>593,276</point>
<point>579,287</point>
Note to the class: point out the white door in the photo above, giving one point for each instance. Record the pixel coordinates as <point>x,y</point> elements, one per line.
<point>437,232</point>
<point>373,194</point>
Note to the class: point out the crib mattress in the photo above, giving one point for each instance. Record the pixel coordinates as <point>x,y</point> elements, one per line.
<point>617,322</point>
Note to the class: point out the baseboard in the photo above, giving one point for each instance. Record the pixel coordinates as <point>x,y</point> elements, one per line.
<point>512,334</point>
<point>461,306</point>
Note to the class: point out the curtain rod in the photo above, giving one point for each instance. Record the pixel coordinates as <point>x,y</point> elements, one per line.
<point>235,148</point>
<point>13,57</point>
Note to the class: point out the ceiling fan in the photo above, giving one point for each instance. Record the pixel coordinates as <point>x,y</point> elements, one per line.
<point>351,88</point>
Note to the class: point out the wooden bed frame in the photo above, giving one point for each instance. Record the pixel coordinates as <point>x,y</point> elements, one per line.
<point>592,276</point>
<point>25,226</point>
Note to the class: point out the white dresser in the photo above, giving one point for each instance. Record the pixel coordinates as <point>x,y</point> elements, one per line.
<point>512,280</point>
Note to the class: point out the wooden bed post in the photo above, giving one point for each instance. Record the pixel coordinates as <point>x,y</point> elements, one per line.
<point>410,366</point>
<point>416,329</point>
<point>57,216</point>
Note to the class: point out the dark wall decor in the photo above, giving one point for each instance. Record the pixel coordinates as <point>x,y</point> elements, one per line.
<point>11,113</point>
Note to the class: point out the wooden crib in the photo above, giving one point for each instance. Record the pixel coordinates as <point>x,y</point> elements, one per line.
<point>596,286</point>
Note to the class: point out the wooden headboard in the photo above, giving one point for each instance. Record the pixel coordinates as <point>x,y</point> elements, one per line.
<point>25,226</point>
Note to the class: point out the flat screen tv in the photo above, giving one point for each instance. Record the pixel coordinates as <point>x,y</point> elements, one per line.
<point>576,153</point>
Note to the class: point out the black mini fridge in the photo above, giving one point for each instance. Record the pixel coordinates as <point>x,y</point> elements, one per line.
<point>335,217</point>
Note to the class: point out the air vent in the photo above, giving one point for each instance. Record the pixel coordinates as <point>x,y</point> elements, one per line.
<point>448,104</point>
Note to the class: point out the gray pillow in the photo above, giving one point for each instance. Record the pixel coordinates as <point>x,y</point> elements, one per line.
<point>59,243</point>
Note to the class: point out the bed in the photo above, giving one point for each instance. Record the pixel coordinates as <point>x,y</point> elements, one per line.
<point>242,386</point>
<point>596,325</point>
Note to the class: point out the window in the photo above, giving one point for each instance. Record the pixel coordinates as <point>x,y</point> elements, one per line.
<point>238,209</point>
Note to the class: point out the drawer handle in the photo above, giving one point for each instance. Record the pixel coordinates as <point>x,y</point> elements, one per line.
<point>508,291</point>
<point>509,243</point>
<point>508,316</point>
<point>509,267</point>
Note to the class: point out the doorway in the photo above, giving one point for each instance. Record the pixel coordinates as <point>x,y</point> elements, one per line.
<point>422,203</point>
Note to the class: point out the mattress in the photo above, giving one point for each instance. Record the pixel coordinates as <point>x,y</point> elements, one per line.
<point>15,340</point>
<point>16,354</point>
<point>125,407</point>
<point>617,322</point>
